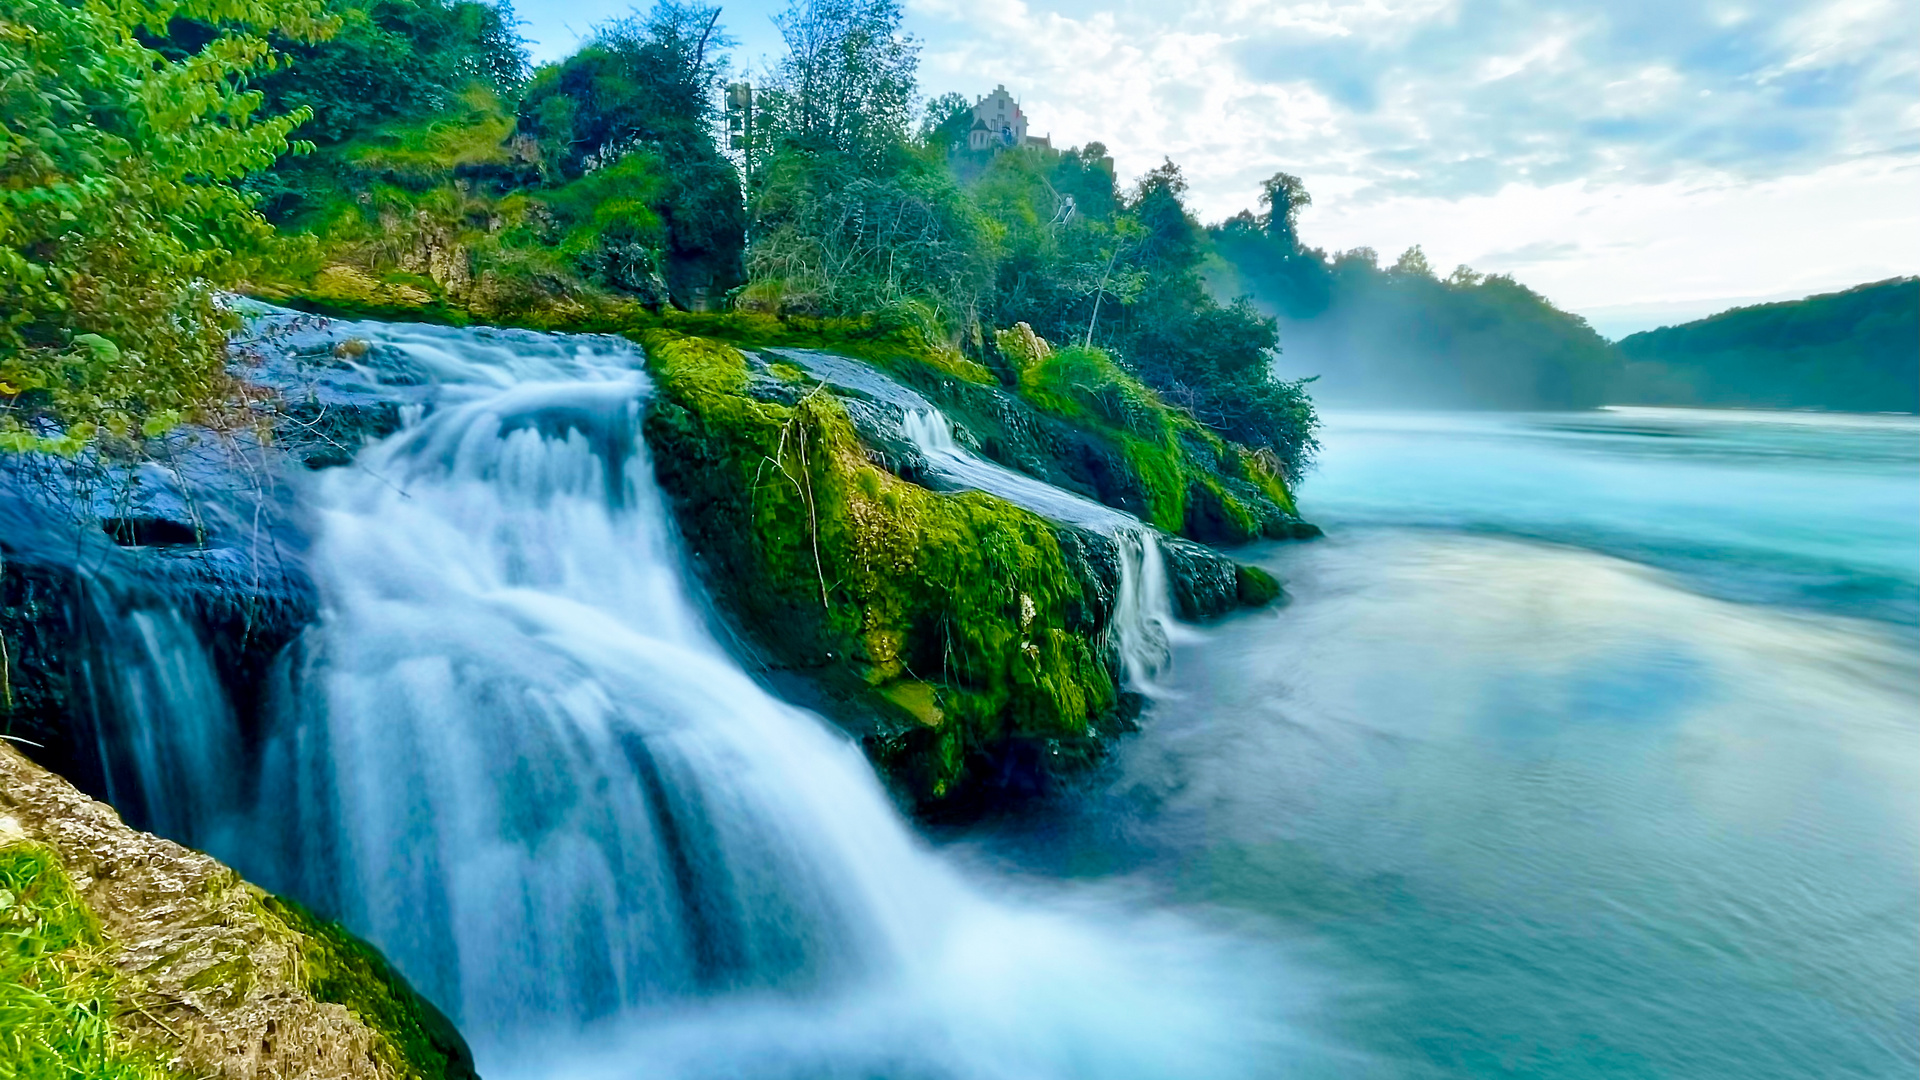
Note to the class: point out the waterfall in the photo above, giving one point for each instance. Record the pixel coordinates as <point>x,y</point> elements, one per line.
<point>159,720</point>
<point>1143,623</point>
<point>513,756</point>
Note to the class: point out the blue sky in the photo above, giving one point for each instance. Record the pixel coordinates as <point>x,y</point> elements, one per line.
<point>1639,161</point>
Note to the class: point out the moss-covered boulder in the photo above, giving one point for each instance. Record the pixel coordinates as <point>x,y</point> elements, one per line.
<point>126,956</point>
<point>956,618</point>
<point>1077,420</point>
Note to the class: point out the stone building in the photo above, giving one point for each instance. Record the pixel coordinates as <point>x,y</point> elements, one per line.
<point>999,124</point>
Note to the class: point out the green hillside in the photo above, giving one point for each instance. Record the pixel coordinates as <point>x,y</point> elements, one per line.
<point>1857,351</point>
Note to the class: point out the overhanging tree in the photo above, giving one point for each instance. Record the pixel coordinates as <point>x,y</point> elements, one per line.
<point>119,217</point>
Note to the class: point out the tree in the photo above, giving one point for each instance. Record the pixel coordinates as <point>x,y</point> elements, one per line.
<point>1283,195</point>
<point>390,58</point>
<point>644,80</point>
<point>1412,263</point>
<point>908,246</point>
<point>947,121</point>
<point>1401,335</point>
<point>649,85</point>
<point>119,217</point>
<point>847,83</point>
<point>1173,240</point>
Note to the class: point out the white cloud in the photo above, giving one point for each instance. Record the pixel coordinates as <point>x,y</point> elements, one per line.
<point>1661,149</point>
<point>1671,150</point>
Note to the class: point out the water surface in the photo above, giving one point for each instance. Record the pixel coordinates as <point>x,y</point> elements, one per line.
<point>1588,746</point>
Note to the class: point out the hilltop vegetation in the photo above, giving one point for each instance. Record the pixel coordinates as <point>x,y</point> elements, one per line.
<point>432,174</point>
<point>1857,350</point>
<point>1401,335</point>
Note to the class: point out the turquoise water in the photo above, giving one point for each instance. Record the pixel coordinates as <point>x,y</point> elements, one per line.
<point>1588,746</point>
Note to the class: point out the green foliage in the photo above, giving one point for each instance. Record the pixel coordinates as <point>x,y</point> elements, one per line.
<point>945,122</point>
<point>57,992</point>
<point>595,184</point>
<point>393,62</point>
<point>1184,469</point>
<point>611,228</point>
<point>964,594</point>
<point>118,214</point>
<point>846,86</point>
<point>641,81</point>
<point>1856,350</point>
<point>393,58</point>
<point>836,243</point>
<point>647,85</point>
<point>1400,335</point>
<point>1084,386</point>
<point>1283,195</point>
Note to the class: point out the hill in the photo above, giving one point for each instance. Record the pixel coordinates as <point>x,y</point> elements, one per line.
<point>1856,351</point>
<point>1401,335</point>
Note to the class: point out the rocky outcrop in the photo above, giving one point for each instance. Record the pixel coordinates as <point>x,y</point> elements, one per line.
<point>959,624</point>
<point>199,973</point>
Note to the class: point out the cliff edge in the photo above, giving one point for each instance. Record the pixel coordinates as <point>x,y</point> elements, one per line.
<point>129,956</point>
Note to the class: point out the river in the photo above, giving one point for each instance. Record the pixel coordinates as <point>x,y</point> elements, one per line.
<point>1588,745</point>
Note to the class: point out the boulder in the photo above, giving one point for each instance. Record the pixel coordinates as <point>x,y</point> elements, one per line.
<point>197,972</point>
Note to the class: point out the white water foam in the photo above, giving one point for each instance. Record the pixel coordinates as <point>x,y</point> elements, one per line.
<point>512,755</point>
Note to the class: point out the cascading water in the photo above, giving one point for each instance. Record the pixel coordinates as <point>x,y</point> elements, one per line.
<point>1143,621</point>
<point>167,744</point>
<point>512,755</point>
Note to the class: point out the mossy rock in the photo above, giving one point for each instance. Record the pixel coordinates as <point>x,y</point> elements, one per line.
<point>873,583</point>
<point>418,1039</point>
<point>1075,419</point>
<point>1255,586</point>
<point>126,956</point>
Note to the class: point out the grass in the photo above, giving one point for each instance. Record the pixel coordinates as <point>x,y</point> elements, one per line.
<point>57,992</point>
<point>1188,473</point>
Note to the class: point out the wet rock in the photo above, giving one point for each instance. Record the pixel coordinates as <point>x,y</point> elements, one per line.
<point>210,974</point>
<point>1256,587</point>
<point>1205,584</point>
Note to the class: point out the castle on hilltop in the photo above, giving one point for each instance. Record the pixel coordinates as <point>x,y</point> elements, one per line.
<point>998,124</point>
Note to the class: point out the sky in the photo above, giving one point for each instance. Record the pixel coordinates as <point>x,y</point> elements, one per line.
<point>1641,162</point>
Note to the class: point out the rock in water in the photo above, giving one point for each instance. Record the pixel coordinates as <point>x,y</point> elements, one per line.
<point>211,975</point>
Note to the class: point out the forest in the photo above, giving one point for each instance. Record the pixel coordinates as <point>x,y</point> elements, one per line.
<point>1855,351</point>
<point>1401,335</point>
<point>402,158</point>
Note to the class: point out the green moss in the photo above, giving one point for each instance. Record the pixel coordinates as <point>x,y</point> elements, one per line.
<point>1256,587</point>
<point>57,992</point>
<point>416,1039</point>
<point>917,699</point>
<point>472,131</point>
<point>870,579</point>
<point>1179,463</point>
<point>1215,514</point>
<point>1262,469</point>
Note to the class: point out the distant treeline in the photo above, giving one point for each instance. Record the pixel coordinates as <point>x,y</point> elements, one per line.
<point>1857,350</point>
<point>1400,335</point>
